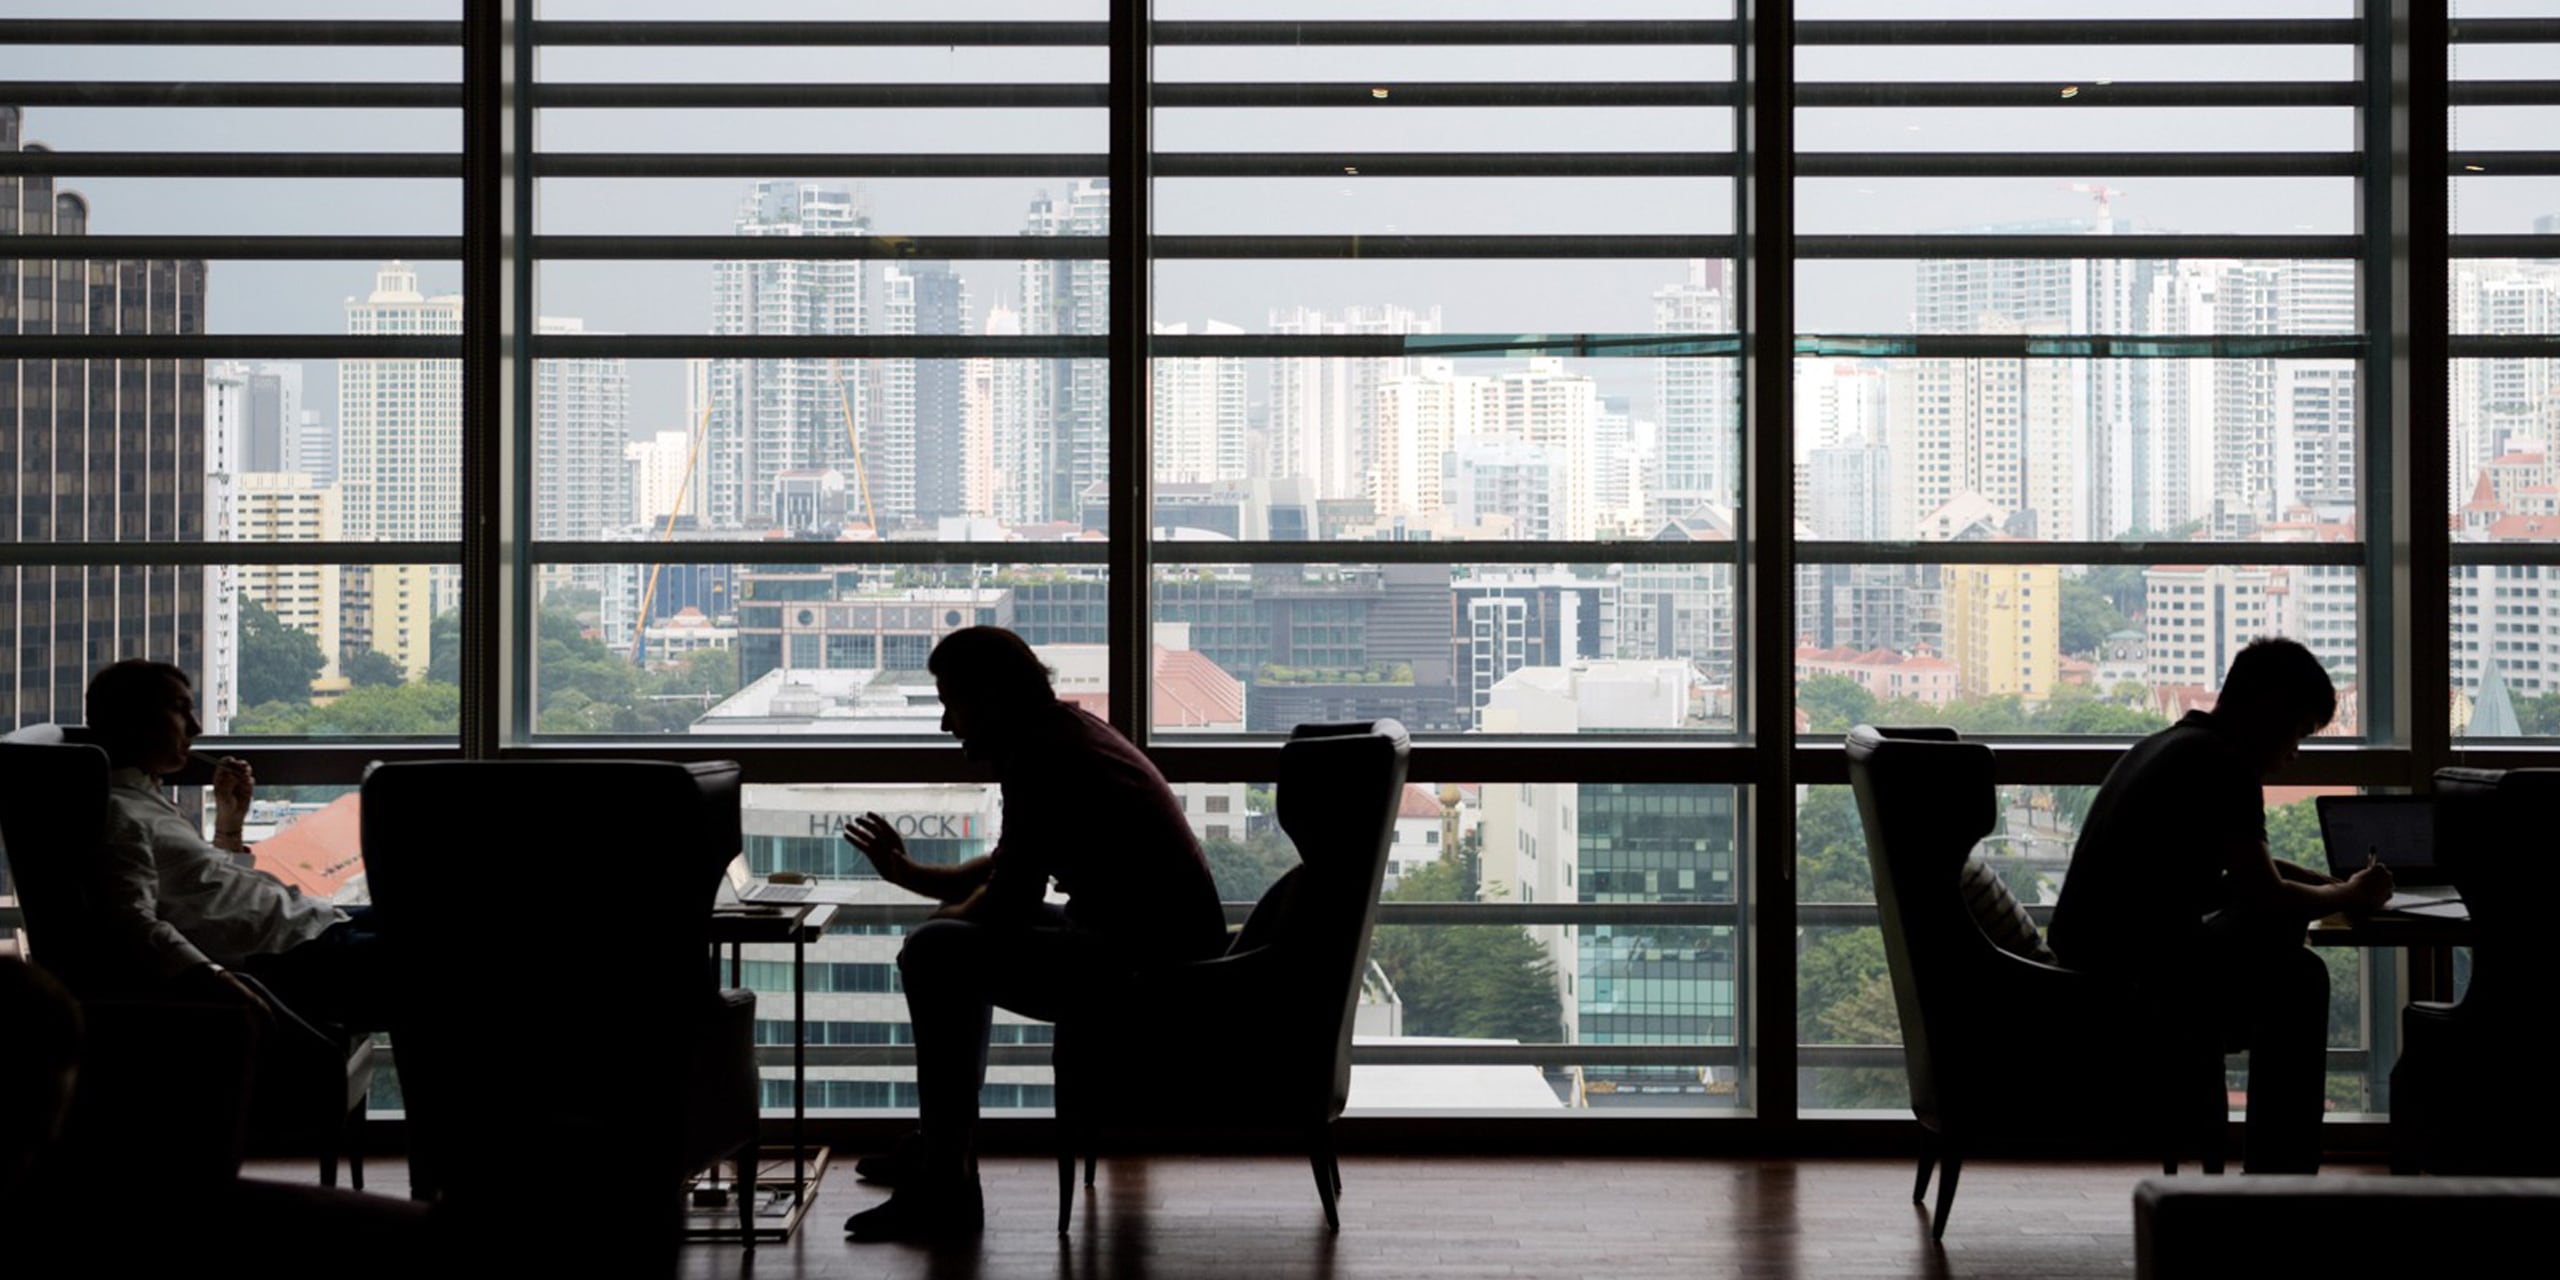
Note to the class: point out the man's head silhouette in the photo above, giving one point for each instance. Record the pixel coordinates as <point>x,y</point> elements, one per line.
<point>990,682</point>
<point>2275,695</point>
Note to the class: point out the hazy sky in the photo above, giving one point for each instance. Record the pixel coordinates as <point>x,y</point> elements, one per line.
<point>1474,296</point>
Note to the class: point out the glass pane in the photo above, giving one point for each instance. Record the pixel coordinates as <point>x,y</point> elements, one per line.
<point>2094,204</point>
<point>1443,980</point>
<point>834,651</point>
<point>2046,649</point>
<point>2506,664</point>
<point>2174,297</point>
<point>1403,446</point>
<point>2509,297</point>
<point>2224,449</point>
<point>325,650</point>
<point>2501,488</point>
<point>1515,649</point>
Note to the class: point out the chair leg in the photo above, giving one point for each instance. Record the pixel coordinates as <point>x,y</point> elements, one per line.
<point>1928,1166</point>
<point>1328,1181</point>
<point>1067,1184</point>
<point>1954,1165</point>
<point>745,1189</point>
<point>1334,1165</point>
<point>352,1142</point>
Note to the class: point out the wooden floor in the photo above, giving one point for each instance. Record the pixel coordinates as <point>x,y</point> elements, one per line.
<point>1609,1219</point>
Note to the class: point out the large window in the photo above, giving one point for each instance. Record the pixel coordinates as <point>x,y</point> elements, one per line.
<point>1627,397</point>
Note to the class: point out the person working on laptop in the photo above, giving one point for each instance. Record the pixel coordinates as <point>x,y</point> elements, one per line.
<point>1082,806</point>
<point>193,912</point>
<point>2172,889</point>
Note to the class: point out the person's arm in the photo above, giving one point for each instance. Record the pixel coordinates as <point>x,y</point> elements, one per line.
<point>887,851</point>
<point>233,787</point>
<point>2259,885</point>
<point>2296,873</point>
<point>128,887</point>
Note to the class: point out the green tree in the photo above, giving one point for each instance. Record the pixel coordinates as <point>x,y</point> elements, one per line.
<point>2121,584</point>
<point>444,648</point>
<point>1473,981</point>
<point>409,710</point>
<point>1831,849</point>
<point>277,662</point>
<point>1835,704</point>
<point>1243,869</point>
<point>2089,616</point>
<point>371,669</point>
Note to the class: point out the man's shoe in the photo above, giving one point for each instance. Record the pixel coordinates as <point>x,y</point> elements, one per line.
<point>887,1168</point>
<point>952,1211</point>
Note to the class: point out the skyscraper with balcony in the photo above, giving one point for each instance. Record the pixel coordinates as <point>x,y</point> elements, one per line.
<point>582,425</point>
<point>1199,414</point>
<point>109,450</point>
<point>1324,409</point>
<point>789,413</point>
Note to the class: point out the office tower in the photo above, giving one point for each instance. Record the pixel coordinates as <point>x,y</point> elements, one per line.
<point>99,451</point>
<point>1198,410</point>
<point>1324,409</point>
<point>1701,416</point>
<point>790,413</point>
<point>1067,428</point>
<point>582,424</point>
<point>268,422</point>
<point>919,455</point>
<point>657,467</point>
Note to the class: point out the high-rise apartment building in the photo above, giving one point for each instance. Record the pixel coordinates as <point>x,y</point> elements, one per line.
<point>99,451</point>
<point>918,449</point>
<point>582,425</point>
<point>1324,409</point>
<point>789,413</point>
<point>1198,409</point>
<point>399,467</point>
<point>2197,618</point>
<point>2000,430</point>
<point>288,506</point>
<point>1701,454</point>
<point>1066,430</point>
<point>2004,629</point>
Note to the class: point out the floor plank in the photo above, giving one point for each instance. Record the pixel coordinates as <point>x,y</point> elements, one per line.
<point>1245,1218</point>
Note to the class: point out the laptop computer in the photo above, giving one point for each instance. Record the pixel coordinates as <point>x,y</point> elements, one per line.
<point>753,892</point>
<point>2398,831</point>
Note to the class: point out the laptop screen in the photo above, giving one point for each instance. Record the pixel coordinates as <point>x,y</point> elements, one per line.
<point>2401,829</point>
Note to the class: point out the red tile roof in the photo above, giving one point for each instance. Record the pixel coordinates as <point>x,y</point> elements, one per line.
<point>1418,802</point>
<point>320,852</point>
<point>1192,691</point>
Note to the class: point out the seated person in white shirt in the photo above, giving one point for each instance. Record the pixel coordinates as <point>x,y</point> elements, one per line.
<point>187,911</point>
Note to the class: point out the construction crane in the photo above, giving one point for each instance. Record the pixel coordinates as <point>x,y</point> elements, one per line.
<point>2104,194</point>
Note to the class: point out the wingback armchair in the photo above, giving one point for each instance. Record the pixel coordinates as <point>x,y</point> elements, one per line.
<point>644,1069</point>
<point>2465,1066</point>
<point>1977,1018</point>
<point>1262,1037</point>
<point>313,1079</point>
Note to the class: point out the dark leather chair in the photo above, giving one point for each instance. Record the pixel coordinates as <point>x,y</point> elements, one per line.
<point>2467,1070</point>
<point>1263,1041</point>
<point>1977,1020</point>
<point>649,1073</point>
<point>313,1079</point>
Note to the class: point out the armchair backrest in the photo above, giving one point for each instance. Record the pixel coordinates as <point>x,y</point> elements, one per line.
<point>53,812</point>
<point>2507,879</point>
<point>1926,799</point>
<point>636,848</point>
<point>1340,785</point>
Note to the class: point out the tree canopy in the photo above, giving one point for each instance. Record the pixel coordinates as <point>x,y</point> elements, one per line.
<point>277,662</point>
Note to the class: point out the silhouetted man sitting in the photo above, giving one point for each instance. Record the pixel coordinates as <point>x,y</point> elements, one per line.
<point>2172,889</point>
<point>188,911</point>
<point>1081,806</point>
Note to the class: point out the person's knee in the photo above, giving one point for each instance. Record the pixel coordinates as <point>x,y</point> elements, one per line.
<point>937,946</point>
